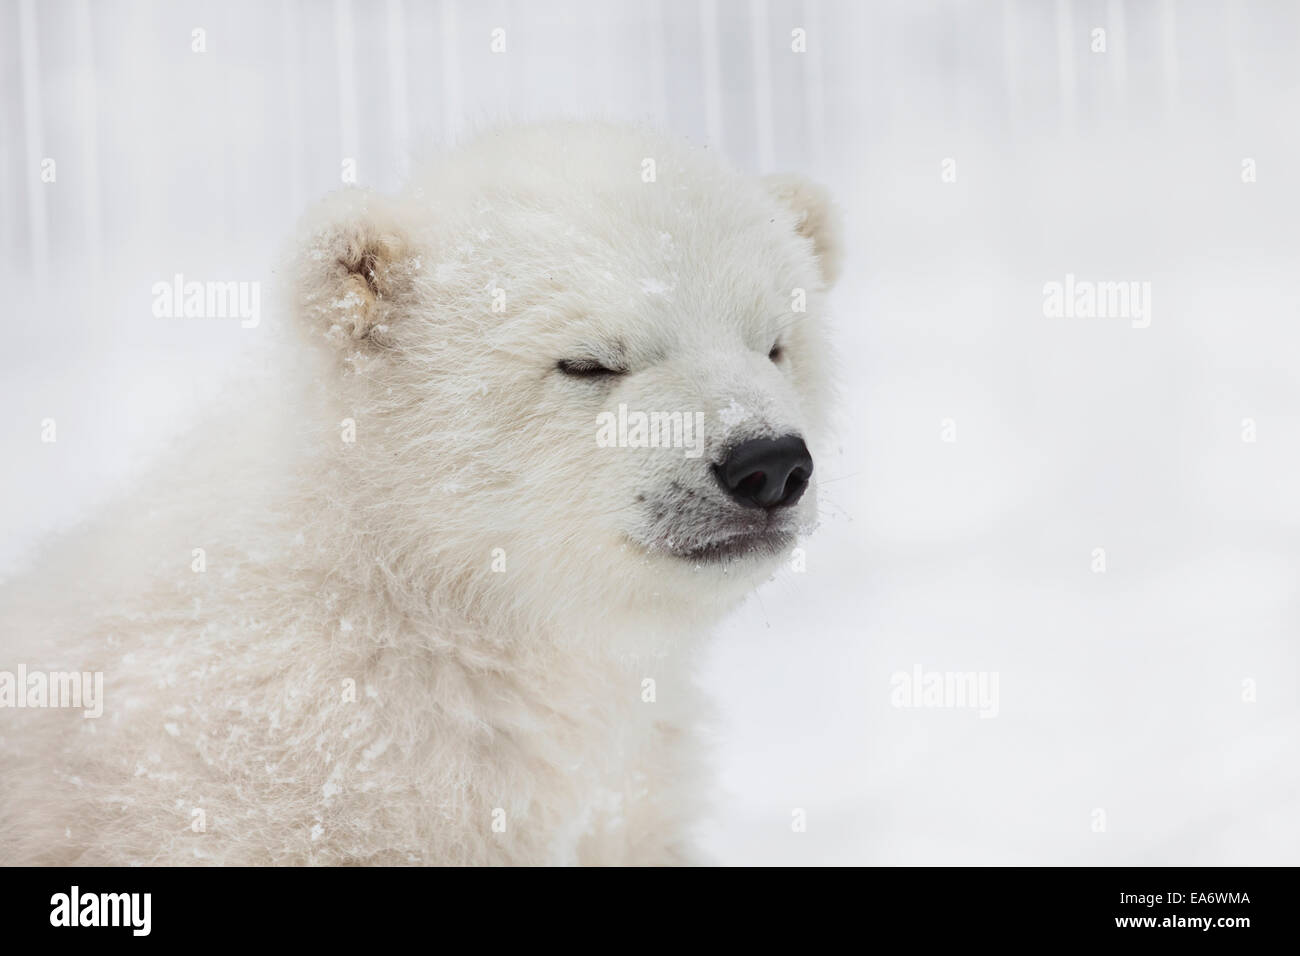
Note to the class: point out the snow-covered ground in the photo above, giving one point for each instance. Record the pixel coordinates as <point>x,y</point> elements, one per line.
<point>1147,713</point>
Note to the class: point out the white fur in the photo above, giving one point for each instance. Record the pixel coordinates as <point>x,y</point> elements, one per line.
<point>481,695</point>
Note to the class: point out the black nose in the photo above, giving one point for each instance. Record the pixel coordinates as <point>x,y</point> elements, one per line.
<point>766,472</point>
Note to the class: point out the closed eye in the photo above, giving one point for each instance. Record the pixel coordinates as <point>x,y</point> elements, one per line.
<point>585,368</point>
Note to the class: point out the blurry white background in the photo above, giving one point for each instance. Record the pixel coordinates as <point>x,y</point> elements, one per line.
<point>1120,691</point>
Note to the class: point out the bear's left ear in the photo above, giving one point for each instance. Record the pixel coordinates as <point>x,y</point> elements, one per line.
<point>816,218</point>
<point>356,269</point>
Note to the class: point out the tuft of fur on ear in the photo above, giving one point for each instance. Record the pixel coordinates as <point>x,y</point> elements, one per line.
<point>355,268</point>
<point>816,216</point>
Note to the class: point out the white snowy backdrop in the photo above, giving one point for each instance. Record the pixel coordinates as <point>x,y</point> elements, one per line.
<point>1119,691</point>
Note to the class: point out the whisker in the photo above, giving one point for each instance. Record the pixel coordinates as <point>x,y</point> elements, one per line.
<point>827,481</point>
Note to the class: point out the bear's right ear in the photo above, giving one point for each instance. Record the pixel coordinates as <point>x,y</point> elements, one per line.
<point>816,219</point>
<point>355,269</point>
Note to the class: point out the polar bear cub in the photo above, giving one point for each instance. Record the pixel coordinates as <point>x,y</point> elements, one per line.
<point>540,421</point>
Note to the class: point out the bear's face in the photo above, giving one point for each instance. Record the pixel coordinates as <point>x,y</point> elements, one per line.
<point>586,386</point>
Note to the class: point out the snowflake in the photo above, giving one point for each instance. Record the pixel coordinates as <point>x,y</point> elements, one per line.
<point>733,414</point>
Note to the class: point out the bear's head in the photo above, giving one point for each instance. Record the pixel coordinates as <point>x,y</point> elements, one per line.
<point>586,369</point>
